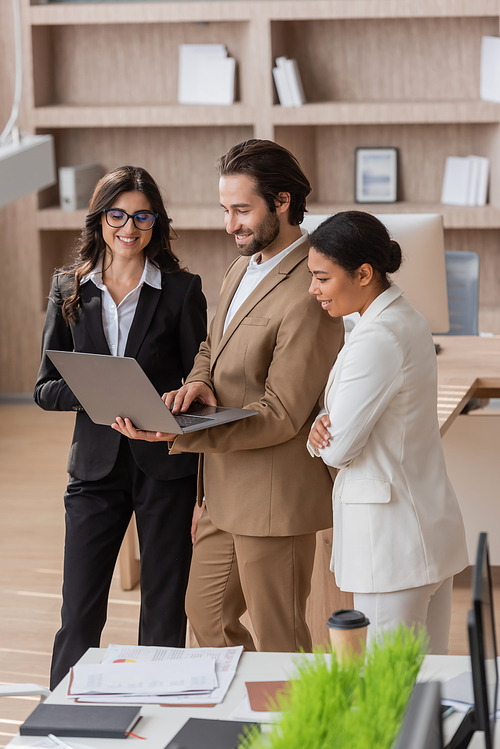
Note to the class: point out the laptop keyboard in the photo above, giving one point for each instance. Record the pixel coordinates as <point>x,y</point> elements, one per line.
<point>184,420</point>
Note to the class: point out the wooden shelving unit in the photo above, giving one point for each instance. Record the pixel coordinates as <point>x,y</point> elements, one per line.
<point>103,81</point>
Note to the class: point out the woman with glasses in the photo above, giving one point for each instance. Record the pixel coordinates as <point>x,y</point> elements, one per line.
<point>125,295</point>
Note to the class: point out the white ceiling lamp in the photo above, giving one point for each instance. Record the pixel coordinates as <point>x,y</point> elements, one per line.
<point>27,162</point>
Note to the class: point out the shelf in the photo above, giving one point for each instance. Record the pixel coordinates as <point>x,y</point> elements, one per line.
<point>206,217</point>
<point>234,10</point>
<point>175,115</point>
<point>454,217</point>
<point>55,218</point>
<point>183,217</point>
<point>336,113</point>
<point>387,113</point>
<point>373,9</point>
<point>140,12</point>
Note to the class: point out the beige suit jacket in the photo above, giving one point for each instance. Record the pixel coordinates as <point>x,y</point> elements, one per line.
<point>257,476</point>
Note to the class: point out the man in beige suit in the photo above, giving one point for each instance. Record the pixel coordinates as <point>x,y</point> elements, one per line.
<point>266,497</point>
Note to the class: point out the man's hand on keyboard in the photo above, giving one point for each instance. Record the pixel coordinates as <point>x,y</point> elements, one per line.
<point>125,427</point>
<point>178,401</point>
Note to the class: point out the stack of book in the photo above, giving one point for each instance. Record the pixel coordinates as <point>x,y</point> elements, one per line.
<point>288,83</point>
<point>465,180</point>
<point>206,74</point>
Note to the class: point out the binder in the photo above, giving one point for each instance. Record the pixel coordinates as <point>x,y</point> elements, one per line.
<point>89,721</point>
<point>203,733</point>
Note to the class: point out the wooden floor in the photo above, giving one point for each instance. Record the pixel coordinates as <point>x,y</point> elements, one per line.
<point>33,451</point>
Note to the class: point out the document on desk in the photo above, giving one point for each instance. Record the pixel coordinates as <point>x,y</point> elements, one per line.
<point>151,678</point>
<point>224,660</point>
<point>459,692</point>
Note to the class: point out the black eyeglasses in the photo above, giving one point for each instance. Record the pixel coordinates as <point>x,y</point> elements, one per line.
<point>143,220</point>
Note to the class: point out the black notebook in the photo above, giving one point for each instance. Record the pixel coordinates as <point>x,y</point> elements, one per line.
<point>91,721</point>
<point>203,733</point>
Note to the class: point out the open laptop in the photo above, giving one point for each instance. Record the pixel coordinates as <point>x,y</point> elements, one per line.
<point>111,386</point>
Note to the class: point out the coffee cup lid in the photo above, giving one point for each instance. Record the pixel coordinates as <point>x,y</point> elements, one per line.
<point>347,619</point>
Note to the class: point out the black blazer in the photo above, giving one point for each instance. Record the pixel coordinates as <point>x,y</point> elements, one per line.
<point>167,329</point>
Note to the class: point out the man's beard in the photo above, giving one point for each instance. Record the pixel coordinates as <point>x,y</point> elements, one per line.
<point>263,236</point>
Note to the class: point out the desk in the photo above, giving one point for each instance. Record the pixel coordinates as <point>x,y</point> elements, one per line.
<point>160,724</point>
<point>468,367</point>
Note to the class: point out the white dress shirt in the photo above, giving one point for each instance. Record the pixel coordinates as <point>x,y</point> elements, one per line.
<point>254,275</point>
<point>117,319</point>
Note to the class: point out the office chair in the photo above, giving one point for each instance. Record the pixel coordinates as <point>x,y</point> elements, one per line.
<point>462,280</point>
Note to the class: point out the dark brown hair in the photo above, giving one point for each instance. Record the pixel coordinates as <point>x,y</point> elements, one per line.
<point>91,247</point>
<point>351,238</point>
<point>273,169</point>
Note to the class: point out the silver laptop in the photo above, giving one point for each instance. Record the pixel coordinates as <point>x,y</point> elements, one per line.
<point>111,386</point>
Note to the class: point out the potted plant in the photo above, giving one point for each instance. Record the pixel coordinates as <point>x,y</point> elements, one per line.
<point>357,702</point>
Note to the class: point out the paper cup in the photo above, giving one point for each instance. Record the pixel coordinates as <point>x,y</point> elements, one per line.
<point>348,629</point>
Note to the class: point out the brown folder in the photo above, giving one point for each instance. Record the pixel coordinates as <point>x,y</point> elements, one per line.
<point>263,695</point>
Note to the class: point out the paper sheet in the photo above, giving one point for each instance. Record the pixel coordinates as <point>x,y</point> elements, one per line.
<point>226,661</point>
<point>150,678</point>
<point>459,693</point>
<point>47,743</point>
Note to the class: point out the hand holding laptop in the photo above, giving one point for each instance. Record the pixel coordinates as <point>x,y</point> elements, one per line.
<point>178,401</point>
<point>125,427</point>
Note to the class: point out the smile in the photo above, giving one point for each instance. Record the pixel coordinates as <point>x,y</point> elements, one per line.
<point>127,240</point>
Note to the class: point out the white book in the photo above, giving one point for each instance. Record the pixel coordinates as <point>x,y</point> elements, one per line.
<point>76,185</point>
<point>215,82</point>
<point>482,180</point>
<point>295,83</point>
<point>281,84</point>
<point>191,62</point>
<point>193,59</point>
<point>283,80</point>
<point>489,88</point>
<point>472,186</point>
<point>456,181</point>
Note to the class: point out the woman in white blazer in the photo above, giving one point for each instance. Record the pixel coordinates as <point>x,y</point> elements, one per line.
<point>398,531</point>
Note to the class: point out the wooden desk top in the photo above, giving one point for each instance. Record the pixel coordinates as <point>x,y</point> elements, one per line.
<point>468,366</point>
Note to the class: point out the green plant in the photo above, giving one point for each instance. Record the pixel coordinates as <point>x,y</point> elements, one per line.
<point>357,703</point>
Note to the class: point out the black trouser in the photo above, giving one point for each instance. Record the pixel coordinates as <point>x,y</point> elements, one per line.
<point>97,516</point>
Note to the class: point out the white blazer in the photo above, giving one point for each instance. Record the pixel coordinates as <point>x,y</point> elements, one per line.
<point>397,523</point>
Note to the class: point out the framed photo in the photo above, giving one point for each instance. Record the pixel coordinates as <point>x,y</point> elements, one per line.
<point>376,175</point>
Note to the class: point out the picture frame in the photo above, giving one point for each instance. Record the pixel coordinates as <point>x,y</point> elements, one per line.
<point>376,175</point>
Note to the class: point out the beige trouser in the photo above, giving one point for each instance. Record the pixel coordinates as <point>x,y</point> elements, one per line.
<point>268,576</point>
